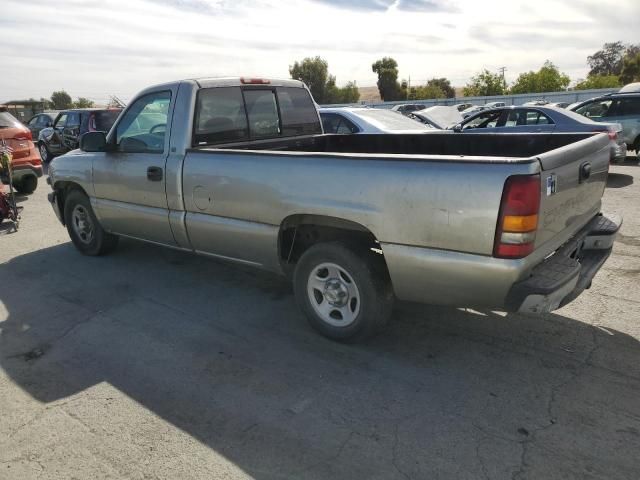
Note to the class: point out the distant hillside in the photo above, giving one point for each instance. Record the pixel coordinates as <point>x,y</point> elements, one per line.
<point>369,94</point>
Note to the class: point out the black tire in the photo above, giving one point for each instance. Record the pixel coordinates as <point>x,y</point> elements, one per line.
<point>27,185</point>
<point>636,147</point>
<point>45,154</point>
<point>87,235</point>
<point>373,291</point>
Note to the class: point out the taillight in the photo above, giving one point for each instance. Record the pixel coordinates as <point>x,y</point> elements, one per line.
<point>23,135</point>
<point>254,81</point>
<point>518,219</point>
<point>613,135</point>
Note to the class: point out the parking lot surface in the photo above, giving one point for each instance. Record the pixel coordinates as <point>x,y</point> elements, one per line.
<point>151,363</point>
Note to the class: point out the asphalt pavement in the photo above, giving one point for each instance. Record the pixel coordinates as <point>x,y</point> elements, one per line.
<point>154,364</point>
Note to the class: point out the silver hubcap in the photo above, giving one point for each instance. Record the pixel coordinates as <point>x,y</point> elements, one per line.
<point>82,224</point>
<point>333,294</point>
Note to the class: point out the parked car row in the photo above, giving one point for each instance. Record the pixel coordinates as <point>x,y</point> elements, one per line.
<point>504,119</point>
<point>622,107</point>
<point>47,135</point>
<point>63,133</point>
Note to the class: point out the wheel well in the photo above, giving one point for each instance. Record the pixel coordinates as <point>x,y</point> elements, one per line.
<point>63,189</point>
<point>299,232</point>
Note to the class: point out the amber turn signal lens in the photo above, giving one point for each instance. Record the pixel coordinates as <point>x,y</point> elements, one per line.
<point>519,223</point>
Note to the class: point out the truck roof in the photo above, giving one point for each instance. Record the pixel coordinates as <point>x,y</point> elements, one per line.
<point>211,82</point>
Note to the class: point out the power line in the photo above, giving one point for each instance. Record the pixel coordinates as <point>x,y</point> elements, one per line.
<point>504,81</point>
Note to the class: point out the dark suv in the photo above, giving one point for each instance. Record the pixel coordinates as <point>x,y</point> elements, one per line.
<point>622,108</point>
<point>69,126</point>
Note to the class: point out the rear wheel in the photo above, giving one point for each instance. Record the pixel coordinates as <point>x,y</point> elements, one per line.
<point>27,185</point>
<point>345,294</point>
<point>45,155</point>
<point>85,231</point>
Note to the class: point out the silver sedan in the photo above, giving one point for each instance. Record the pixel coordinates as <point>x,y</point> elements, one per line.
<point>368,120</point>
<point>540,119</point>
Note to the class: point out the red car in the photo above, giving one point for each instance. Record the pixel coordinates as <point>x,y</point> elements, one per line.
<point>27,165</point>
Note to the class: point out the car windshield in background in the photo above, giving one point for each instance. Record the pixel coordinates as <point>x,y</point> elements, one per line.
<point>104,119</point>
<point>8,121</point>
<point>388,120</point>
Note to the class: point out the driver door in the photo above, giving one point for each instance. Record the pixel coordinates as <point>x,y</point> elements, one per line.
<point>55,143</point>
<point>129,180</point>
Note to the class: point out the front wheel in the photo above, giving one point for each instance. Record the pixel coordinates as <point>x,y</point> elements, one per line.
<point>85,231</point>
<point>346,295</point>
<point>45,155</point>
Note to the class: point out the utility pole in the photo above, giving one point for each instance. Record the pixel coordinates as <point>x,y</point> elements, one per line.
<point>504,81</point>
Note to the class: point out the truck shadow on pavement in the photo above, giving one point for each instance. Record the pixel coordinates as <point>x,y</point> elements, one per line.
<point>619,180</point>
<point>222,353</point>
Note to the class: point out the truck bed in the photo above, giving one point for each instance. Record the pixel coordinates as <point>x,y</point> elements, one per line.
<point>489,147</point>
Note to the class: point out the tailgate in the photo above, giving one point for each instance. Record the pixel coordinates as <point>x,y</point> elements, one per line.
<point>573,179</point>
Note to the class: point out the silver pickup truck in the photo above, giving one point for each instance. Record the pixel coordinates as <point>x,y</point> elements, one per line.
<point>239,169</point>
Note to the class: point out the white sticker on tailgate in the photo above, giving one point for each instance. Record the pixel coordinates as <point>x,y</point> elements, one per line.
<point>551,184</point>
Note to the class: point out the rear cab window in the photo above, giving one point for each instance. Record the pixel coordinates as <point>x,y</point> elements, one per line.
<point>236,114</point>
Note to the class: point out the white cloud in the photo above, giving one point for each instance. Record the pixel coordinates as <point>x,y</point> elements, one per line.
<point>95,49</point>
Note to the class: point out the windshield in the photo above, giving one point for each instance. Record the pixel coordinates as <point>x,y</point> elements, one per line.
<point>388,120</point>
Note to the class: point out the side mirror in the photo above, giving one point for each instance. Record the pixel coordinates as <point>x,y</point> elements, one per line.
<point>93,142</point>
<point>457,128</point>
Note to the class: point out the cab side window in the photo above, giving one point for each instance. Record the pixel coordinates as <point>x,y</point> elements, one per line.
<point>143,127</point>
<point>61,121</point>
<point>595,109</point>
<point>73,120</point>
<point>262,112</point>
<point>220,116</point>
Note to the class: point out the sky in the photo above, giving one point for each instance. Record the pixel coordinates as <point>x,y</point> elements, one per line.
<point>117,47</point>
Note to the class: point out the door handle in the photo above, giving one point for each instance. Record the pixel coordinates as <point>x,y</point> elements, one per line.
<point>154,174</point>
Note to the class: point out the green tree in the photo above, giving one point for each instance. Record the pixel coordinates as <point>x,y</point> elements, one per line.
<point>484,84</point>
<point>547,79</point>
<point>631,69</point>
<point>347,94</point>
<point>48,104</point>
<point>350,93</point>
<point>598,81</point>
<point>607,61</point>
<point>444,85</point>
<point>388,86</point>
<point>425,92</point>
<point>82,102</point>
<point>314,72</point>
<point>61,100</point>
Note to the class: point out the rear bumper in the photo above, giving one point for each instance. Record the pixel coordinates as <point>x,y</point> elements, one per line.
<point>529,284</point>
<point>565,275</point>
<point>21,170</point>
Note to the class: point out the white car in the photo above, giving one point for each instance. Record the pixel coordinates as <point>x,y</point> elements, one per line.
<point>368,120</point>
<point>440,116</point>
